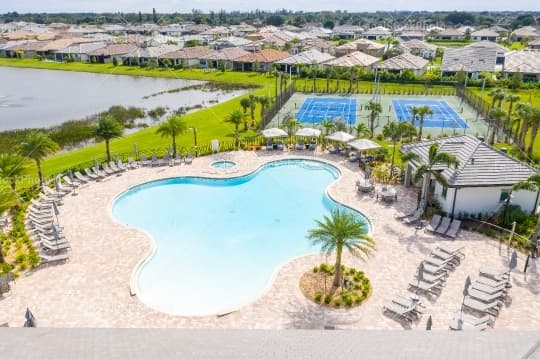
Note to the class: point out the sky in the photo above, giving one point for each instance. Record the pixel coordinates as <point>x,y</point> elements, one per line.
<point>165,6</point>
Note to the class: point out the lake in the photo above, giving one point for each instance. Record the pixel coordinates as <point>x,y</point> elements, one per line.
<point>43,98</point>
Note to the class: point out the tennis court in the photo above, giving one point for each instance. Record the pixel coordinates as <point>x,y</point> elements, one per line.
<point>315,110</point>
<point>444,116</point>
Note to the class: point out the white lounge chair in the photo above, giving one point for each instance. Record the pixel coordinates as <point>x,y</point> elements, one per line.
<point>497,274</point>
<point>433,269</point>
<point>400,311</point>
<point>154,161</point>
<point>486,308</point>
<point>121,165</point>
<point>450,250</point>
<point>434,223</point>
<point>485,297</point>
<point>132,163</point>
<point>443,227</point>
<point>454,228</point>
<point>415,217</point>
<point>433,288</point>
<point>47,258</point>
<point>488,289</point>
<point>82,178</point>
<point>492,282</point>
<point>107,170</point>
<point>145,161</point>
<point>92,174</point>
<point>189,159</point>
<point>177,159</point>
<point>69,182</point>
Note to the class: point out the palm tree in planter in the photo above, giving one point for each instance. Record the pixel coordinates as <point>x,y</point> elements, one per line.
<point>362,130</point>
<point>423,111</point>
<point>236,117</point>
<point>497,115</point>
<point>245,103</point>
<point>107,129</point>
<point>172,127</point>
<point>395,132</point>
<point>531,184</point>
<point>37,146</point>
<point>328,126</point>
<point>374,109</point>
<point>13,166</point>
<point>427,170</point>
<point>342,230</point>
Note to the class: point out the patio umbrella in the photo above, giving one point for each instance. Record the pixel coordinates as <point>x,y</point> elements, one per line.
<point>429,323</point>
<point>420,274</point>
<point>30,319</point>
<point>364,145</point>
<point>340,136</point>
<point>274,133</point>
<point>308,132</point>
<point>513,261</point>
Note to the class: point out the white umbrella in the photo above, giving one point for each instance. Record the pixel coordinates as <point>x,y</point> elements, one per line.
<point>363,145</point>
<point>308,132</point>
<point>274,133</point>
<point>340,136</point>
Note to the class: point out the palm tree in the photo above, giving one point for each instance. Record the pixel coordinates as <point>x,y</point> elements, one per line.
<point>328,126</point>
<point>362,130</point>
<point>314,71</point>
<point>496,114</point>
<point>342,230</point>
<point>236,118</point>
<point>395,132</point>
<point>535,124</point>
<point>422,112</point>
<point>353,75</point>
<point>511,100</point>
<point>427,171</point>
<point>252,103</point>
<point>524,111</point>
<point>414,113</point>
<point>496,95</point>
<point>172,127</point>
<point>531,184</point>
<point>264,101</point>
<point>328,72</point>
<point>245,103</point>
<point>13,166</point>
<point>37,146</point>
<point>107,129</point>
<point>375,109</point>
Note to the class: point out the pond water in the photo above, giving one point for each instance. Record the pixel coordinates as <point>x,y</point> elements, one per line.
<point>43,98</point>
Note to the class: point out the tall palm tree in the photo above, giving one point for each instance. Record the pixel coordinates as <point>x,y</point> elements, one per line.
<point>314,72</point>
<point>531,184</point>
<point>236,117</point>
<point>292,125</point>
<point>362,130</point>
<point>13,166</point>
<point>524,111</point>
<point>264,101</point>
<point>395,132</point>
<point>496,114</point>
<point>427,171</point>
<point>107,129</point>
<point>328,126</point>
<point>535,124</point>
<point>414,113</point>
<point>342,230</point>
<point>245,103</point>
<point>496,95</point>
<point>511,100</point>
<point>353,75</point>
<point>37,146</point>
<point>252,103</point>
<point>328,72</point>
<point>172,127</point>
<point>374,109</point>
<point>422,112</point>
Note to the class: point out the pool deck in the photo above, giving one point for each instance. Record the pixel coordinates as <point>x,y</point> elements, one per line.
<point>92,288</point>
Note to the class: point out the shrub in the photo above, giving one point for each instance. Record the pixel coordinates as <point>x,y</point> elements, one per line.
<point>318,297</point>
<point>337,302</point>
<point>327,299</point>
<point>348,301</point>
<point>315,269</point>
<point>359,298</point>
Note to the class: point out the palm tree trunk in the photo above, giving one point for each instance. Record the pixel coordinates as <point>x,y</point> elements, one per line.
<point>371,125</point>
<point>534,133</point>
<point>535,233</point>
<point>174,145</point>
<point>40,174</point>
<point>392,162</point>
<point>13,184</point>
<point>2,260</point>
<point>420,128</point>
<point>493,131</point>
<point>523,133</point>
<point>108,150</point>
<point>425,188</point>
<point>337,268</point>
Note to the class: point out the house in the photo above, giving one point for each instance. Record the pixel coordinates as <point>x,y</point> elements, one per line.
<point>450,35</point>
<point>527,63</point>
<point>406,61</point>
<point>25,49</point>
<point>348,32</point>
<point>223,57</point>
<point>525,33</point>
<point>187,57</point>
<point>110,52</point>
<point>485,35</point>
<point>503,32</point>
<point>377,33</point>
<point>419,48</point>
<point>216,32</point>
<point>231,41</point>
<point>534,45</point>
<point>501,51</point>
<point>311,43</point>
<point>291,64</point>
<point>480,184</point>
<point>259,61</point>
<point>473,60</point>
<point>354,59</point>
<point>78,52</point>
<point>143,55</point>
<point>367,46</point>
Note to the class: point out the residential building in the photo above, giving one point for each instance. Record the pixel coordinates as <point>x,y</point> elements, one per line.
<point>349,32</point>
<point>377,33</point>
<point>485,35</point>
<point>481,183</point>
<point>525,33</point>
<point>259,61</point>
<point>310,57</point>
<point>470,59</point>
<point>110,52</point>
<point>534,45</point>
<point>354,59</point>
<point>419,48</point>
<point>367,46</point>
<point>223,57</point>
<point>397,64</point>
<point>231,41</point>
<point>187,57</point>
<point>450,35</point>
<point>527,63</point>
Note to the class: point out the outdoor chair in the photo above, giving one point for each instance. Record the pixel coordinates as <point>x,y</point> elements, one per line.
<point>145,161</point>
<point>400,311</point>
<point>164,161</point>
<point>449,250</point>
<point>434,223</point>
<point>415,217</point>
<point>462,321</point>
<point>488,289</point>
<point>189,159</point>
<point>334,149</point>
<point>450,262</point>
<point>495,274</point>
<point>91,174</point>
<point>492,282</point>
<point>484,308</point>
<point>121,166</point>
<point>454,228</point>
<point>300,146</point>
<point>114,167</point>
<point>433,269</point>
<point>443,227</point>
<point>427,287</point>
<point>69,182</point>
<point>177,159</point>
<point>354,156</point>
<point>365,186</point>
<point>47,258</point>
<point>312,146</point>
<point>269,146</point>
<point>280,146</point>
<point>485,297</point>
<point>445,256</point>
<point>407,302</point>
<point>154,161</point>
<point>82,178</point>
<point>107,170</point>
<point>132,163</point>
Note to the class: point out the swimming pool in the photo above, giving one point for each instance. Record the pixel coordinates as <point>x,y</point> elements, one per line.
<point>219,241</point>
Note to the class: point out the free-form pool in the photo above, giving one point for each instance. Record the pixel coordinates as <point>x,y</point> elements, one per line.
<point>219,241</point>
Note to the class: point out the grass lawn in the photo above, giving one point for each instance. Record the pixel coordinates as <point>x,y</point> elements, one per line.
<point>450,43</point>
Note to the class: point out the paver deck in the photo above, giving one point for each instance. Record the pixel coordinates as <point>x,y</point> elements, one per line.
<point>92,289</point>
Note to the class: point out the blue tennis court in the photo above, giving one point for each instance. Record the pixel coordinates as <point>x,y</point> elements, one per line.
<point>314,110</point>
<point>444,116</point>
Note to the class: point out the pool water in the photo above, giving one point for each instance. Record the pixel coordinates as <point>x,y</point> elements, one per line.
<point>218,242</point>
<point>223,165</point>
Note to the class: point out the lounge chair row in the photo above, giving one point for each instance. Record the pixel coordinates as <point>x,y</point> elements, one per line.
<point>301,145</point>
<point>445,226</point>
<point>166,160</point>
<point>271,146</point>
<point>484,301</point>
<point>405,308</point>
